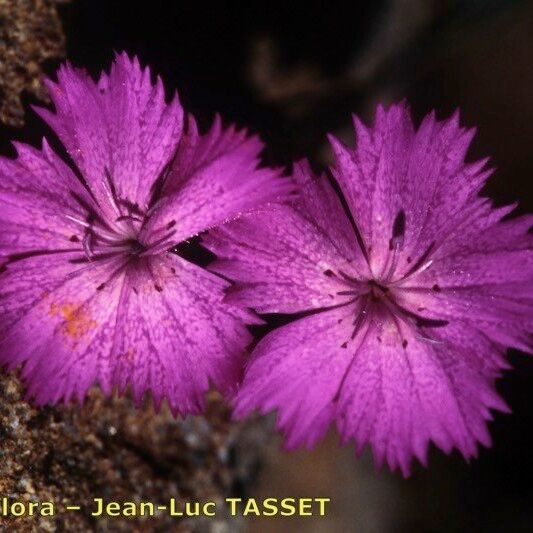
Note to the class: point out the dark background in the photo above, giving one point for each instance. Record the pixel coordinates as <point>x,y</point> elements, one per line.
<point>293,72</point>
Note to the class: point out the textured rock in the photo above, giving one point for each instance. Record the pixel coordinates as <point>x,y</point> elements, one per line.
<point>108,449</point>
<point>30,34</point>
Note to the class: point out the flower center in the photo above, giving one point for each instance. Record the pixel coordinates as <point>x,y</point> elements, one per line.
<point>122,234</point>
<point>377,290</point>
<point>136,247</point>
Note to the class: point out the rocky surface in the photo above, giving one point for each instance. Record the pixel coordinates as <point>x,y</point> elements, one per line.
<point>70,455</point>
<point>30,34</point>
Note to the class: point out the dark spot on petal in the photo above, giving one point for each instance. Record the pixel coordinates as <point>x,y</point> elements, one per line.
<point>329,273</point>
<point>398,227</point>
<point>134,289</point>
<point>421,309</point>
<point>3,268</point>
<point>331,296</point>
<point>339,321</point>
<point>74,238</point>
<point>436,288</point>
<point>171,224</point>
<point>173,270</point>
<point>158,288</point>
<point>409,259</point>
<point>431,322</point>
<point>344,345</point>
<point>379,339</point>
<point>100,287</point>
<point>404,343</point>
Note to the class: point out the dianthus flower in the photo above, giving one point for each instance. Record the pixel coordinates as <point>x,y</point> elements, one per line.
<point>90,289</point>
<point>409,286</point>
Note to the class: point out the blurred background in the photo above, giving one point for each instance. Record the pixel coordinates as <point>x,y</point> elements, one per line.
<point>292,72</point>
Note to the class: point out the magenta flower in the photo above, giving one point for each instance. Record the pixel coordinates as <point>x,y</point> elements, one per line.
<point>410,287</point>
<point>90,291</point>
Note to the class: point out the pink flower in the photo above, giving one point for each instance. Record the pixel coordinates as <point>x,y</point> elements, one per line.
<point>409,287</point>
<point>90,291</point>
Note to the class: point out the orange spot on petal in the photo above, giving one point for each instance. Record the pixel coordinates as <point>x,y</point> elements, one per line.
<point>77,321</point>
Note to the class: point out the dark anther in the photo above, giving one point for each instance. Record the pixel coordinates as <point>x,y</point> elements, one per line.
<point>100,287</point>
<point>346,293</point>
<point>158,288</point>
<point>128,217</point>
<point>431,322</point>
<point>329,273</point>
<point>404,343</point>
<point>344,345</point>
<point>131,207</point>
<point>398,228</point>
<point>171,224</point>
<point>436,288</point>
<point>73,238</point>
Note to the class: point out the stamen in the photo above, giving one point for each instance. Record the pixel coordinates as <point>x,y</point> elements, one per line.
<point>393,264</point>
<point>420,265</point>
<point>86,242</point>
<point>349,278</point>
<point>412,318</point>
<point>110,191</point>
<point>78,221</point>
<point>160,245</point>
<point>97,230</point>
<point>360,318</point>
<point>395,245</point>
<point>128,217</point>
<point>398,227</point>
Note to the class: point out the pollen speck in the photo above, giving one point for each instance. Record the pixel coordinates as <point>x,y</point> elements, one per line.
<point>130,354</point>
<point>77,322</point>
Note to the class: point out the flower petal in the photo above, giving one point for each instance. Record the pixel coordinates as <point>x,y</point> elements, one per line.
<point>398,399</point>
<point>214,178</point>
<point>37,194</point>
<point>484,278</point>
<point>282,261</point>
<point>297,369</point>
<point>58,322</point>
<point>117,129</point>
<point>420,176</point>
<point>159,326</point>
<point>394,392</point>
<point>175,336</point>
